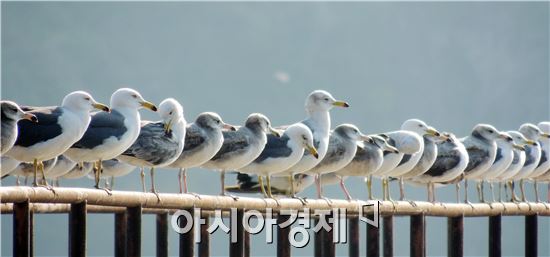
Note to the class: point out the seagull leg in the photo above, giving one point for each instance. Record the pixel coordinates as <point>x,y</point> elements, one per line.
<point>401,189</point>
<point>318,185</point>
<point>142,176</point>
<point>17,182</point>
<point>293,190</point>
<point>112,183</point>
<point>183,186</point>
<point>384,189</point>
<point>457,189</point>
<point>329,202</point>
<point>430,195</point>
<point>35,167</point>
<point>346,192</point>
<point>223,193</point>
<point>536,188</point>
<point>369,187</point>
<point>514,197</point>
<point>262,188</point>
<point>46,185</point>
<point>479,187</point>
<point>522,190</point>
<point>153,189</point>
<point>269,190</point>
<point>466,191</point>
<point>26,181</point>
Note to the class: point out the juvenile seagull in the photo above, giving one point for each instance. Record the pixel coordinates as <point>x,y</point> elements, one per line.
<point>532,132</point>
<point>407,143</point>
<point>55,131</point>
<point>11,114</point>
<point>518,160</point>
<point>368,158</point>
<point>318,104</point>
<point>110,134</point>
<point>409,161</point>
<point>241,147</point>
<point>503,159</point>
<point>450,163</point>
<point>279,185</point>
<point>203,139</point>
<point>26,169</point>
<point>159,143</point>
<point>342,147</point>
<point>281,153</point>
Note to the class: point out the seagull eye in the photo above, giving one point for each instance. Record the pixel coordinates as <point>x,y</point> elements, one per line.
<point>134,96</point>
<point>87,98</point>
<point>304,137</point>
<point>171,112</point>
<point>326,99</point>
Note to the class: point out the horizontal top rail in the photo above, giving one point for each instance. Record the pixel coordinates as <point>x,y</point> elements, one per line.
<point>207,202</point>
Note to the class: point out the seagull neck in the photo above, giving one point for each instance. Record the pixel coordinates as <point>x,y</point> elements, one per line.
<point>320,119</point>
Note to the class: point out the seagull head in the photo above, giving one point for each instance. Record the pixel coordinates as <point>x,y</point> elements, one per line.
<point>13,112</point>
<point>302,134</point>
<point>212,120</point>
<point>530,131</point>
<point>488,132</point>
<point>521,140</point>
<point>544,126</point>
<point>171,112</point>
<point>259,122</point>
<point>82,101</point>
<point>351,132</point>
<point>419,127</point>
<point>382,143</point>
<point>130,98</point>
<point>320,100</point>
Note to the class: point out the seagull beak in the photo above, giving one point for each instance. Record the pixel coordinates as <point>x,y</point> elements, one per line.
<point>274,132</point>
<point>433,132</point>
<point>341,104</point>
<point>505,137</point>
<point>519,147</point>
<point>101,106</point>
<point>530,142</point>
<point>148,105</point>
<point>545,135</point>
<point>229,127</point>
<point>312,150</point>
<point>366,138</point>
<point>30,116</point>
<point>392,149</point>
<point>168,126</point>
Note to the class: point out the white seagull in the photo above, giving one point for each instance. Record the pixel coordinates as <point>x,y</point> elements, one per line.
<point>11,114</point>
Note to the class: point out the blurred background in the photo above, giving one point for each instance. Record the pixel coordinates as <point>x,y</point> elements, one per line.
<point>450,64</point>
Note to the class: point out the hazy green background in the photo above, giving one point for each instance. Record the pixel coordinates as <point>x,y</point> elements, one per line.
<point>451,64</point>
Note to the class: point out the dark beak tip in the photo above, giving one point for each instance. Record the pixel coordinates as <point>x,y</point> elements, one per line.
<point>34,119</point>
<point>233,129</point>
<point>154,108</point>
<point>346,105</point>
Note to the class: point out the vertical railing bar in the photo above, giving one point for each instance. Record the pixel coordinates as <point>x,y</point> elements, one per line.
<point>417,243</point>
<point>353,230</point>
<point>246,244</point>
<point>236,249</point>
<point>133,231</point>
<point>531,244</point>
<point>387,236</point>
<point>31,233</point>
<point>77,229</point>
<point>373,240</point>
<point>21,225</point>
<point>318,244</point>
<point>283,243</point>
<point>495,236</point>
<point>204,245</point>
<point>120,234</point>
<point>328,237</point>
<point>162,235</point>
<point>455,236</point>
<point>187,240</point>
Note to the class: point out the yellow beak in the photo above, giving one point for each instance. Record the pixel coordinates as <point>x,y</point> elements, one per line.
<point>341,104</point>
<point>433,132</point>
<point>274,132</point>
<point>168,126</point>
<point>229,127</point>
<point>519,147</point>
<point>148,105</point>
<point>30,116</point>
<point>312,151</point>
<point>531,142</point>
<point>546,135</point>
<point>101,106</point>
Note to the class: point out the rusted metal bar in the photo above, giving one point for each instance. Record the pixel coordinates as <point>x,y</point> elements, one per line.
<point>236,249</point>
<point>353,236</point>
<point>187,240</point>
<point>283,244</point>
<point>178,201</point>
<point>531,240</point>
<point>204,245</point>
<point>418,244</point>
<point>373,240</point>
<point>120,234</point>
<point>318,244</point>
<point>162,235</point>
<point>21,240</point>
<point>133,231</point>
<point>77,230</point>
<point>387,236</point>
<point>455,236</point>
<point>495,236</point>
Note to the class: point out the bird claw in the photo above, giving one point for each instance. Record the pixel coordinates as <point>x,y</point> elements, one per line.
<point>235,198</point>
<point>470,203</point>
<point>195,195</point>
<point>412,203</point>
<point>157,195</point>
<point>108,191</point>
<point>302,200</point>
<point>329,202</point>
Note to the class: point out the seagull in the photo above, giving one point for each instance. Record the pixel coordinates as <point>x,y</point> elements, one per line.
<point>409,161</point>
<point>503,159</point>
<point>159,143</point>
<point>318,104</point>
<point>341,150</point>
<point>110,134</point>
<point>407,143</point>
<point>79,170</point>
<point>518,160</point>
<point>531,170</point>
<point>281,153</point>
<point>203,139</point>
<point>450,163</point>
<point>241,147</point>
<point>279,185</point>
<point>482,150</point>
<point>11,114</point>
<point>545,146</point>
<point>27,169</point>
<point>113,168</point>
<point>55,131</point>
<point>368,158</point>
<point>7,165</point>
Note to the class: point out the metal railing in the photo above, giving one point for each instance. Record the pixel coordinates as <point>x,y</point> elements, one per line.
<point>128,208</point>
